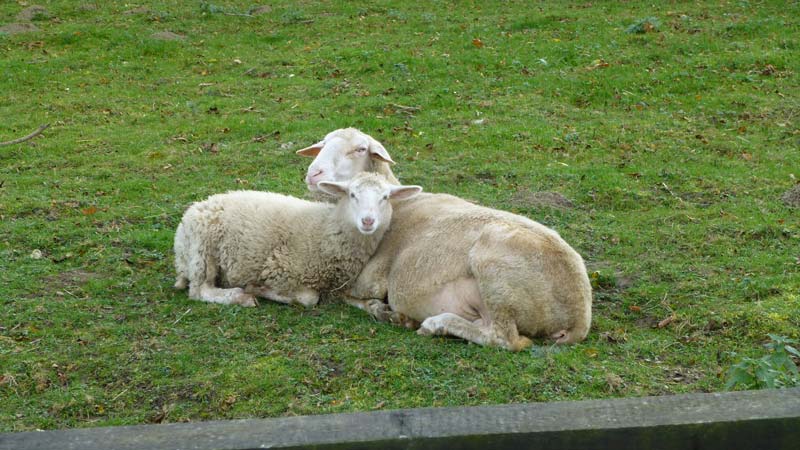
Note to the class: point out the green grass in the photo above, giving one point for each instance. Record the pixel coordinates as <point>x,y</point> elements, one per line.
<point>674,144</point>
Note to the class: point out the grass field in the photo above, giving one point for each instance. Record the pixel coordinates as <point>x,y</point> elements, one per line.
<point>673,129</point>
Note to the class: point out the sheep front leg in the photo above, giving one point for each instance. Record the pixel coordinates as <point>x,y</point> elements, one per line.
<point>303,296</point>
<point>381,311</point>
<point>369,292</point>
<point>233,296</point>
<point>372,282</point>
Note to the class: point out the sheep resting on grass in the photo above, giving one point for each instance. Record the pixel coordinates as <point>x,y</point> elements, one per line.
<point>487,276</point>
<point>234,247</point>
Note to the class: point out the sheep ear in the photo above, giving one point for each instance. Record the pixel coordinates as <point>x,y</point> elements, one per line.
<point>378,151</point>
<point>404,192</point>
<point>334,188</point>
<point>311,151</point>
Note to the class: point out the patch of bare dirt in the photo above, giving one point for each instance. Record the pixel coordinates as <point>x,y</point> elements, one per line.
<point>529,199</point>
<point>33,12</point>
<point>167,36</point>
<point>65,281</point>
<point>136,11</point>
<point>259,10</point>
<point>17,28</point>
<point>792,197</point>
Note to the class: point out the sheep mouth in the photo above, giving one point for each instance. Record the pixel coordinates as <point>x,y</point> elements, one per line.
<point>367,230</point>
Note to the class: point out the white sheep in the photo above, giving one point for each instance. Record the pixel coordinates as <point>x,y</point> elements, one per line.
<point>234,247</point>
<point>487,276</point>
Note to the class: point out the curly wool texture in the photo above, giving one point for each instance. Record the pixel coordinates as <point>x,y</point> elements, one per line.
<point>266,239</point>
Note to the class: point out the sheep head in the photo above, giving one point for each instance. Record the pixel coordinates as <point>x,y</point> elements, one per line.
<point>342,155</point>
<point>366,199</point>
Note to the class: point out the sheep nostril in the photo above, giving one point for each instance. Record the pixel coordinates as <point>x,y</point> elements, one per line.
<point>368,221</point>
<point>312,177</point>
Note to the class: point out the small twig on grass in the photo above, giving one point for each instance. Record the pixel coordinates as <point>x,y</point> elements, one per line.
<point>118,395</point>
<point>405,108</point>
<point>25,138</point>
<point>34,344</point>
<point>336,341</point>
<point>181,317</point>
<point>671,193</point>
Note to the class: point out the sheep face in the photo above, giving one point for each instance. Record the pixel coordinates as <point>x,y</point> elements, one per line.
<point>342,155</point>
<point>366,200</point>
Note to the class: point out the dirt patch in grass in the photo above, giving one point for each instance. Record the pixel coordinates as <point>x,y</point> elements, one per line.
<point>65,281</point>
<point>33,12</point>
<point>260,10</point>
<point>167,36</point>
<point>139,10</point>
<point>18,28</point>
<point>792,197</point>
<point>529,199</point>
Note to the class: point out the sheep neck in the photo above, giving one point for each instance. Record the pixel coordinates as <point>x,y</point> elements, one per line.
<point>383,168</point>
<point>344,248</point>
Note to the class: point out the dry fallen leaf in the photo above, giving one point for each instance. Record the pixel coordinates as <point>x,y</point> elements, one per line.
<point>666,321</point>
<point>477,43</point>
<point>598,64</point>
<point>614,381</point>
<point>89,211</point>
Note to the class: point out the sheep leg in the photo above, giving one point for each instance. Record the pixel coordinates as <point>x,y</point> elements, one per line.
<point>303,296</point>
<point>181,282</point>
<point>372,282</point>
<point>476,332</point>
<point>382,312</point>
<point>233,296</point>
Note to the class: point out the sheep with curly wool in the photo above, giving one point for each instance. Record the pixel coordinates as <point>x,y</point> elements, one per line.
<point>487,276</point>
<point>234,247</point>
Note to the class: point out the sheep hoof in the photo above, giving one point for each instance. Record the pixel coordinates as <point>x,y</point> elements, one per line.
<point>431,326</point>
<point>402,320</point>
<point>181,283</point>
<point>521,344</point>
<point>306,299</point>
<point>246,300</point>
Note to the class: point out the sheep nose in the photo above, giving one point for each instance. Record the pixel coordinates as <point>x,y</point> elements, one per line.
<point>368,221</point>
<point>313,176</point>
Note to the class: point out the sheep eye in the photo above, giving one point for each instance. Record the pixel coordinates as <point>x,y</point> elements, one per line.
<point>352,195</point>
<point>386,197</point>
<point>361,149</point>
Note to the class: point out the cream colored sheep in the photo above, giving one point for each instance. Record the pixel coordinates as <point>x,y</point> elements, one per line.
<point>234,247</point>
<point>484,275</point>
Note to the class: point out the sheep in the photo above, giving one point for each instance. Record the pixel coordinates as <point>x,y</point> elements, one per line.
<point>234,247</point>
<point>455,268</point>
